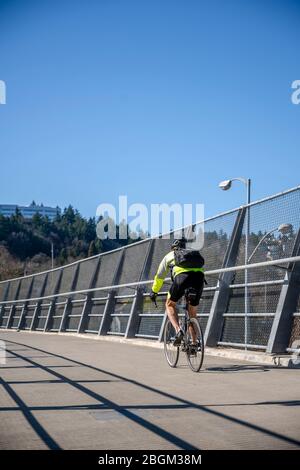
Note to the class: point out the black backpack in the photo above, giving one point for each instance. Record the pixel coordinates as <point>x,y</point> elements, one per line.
<point>190,259</point>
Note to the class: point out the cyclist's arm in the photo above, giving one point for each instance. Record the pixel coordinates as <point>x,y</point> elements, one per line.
<point>162,272</point>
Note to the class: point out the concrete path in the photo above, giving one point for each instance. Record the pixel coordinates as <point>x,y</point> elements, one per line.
<point>63,392</point>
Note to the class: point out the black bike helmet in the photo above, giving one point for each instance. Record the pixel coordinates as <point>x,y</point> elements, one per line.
<point>178,243</point>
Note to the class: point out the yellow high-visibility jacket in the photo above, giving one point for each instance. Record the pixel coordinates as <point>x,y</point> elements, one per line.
<point>167,263</point>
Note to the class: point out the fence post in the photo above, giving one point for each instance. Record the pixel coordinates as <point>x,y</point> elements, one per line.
<point>137,304</point>
<point>69,300</point>
<point>162,328</point>
<point>24,309</point>
<point>2,307</point>
<point>287,304</point>
<point>38,304</point>
<point>222,293</point>
<point>110,303</point>
<point>53,301</point>
<point>13,307</point>
<point>87,304</point>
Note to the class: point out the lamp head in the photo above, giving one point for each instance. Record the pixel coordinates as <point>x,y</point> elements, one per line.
<point>225,185</point>
<point>285,228</point>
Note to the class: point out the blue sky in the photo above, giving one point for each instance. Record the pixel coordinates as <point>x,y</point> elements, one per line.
<point>155,99</point>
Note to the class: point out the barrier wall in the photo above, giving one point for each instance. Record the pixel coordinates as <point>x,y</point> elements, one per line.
<point>269,320</point>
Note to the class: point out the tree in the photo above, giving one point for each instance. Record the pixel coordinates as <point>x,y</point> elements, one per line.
<point>73,237</point>
<point>69,215</point>
<point>63,256</point>
<point>37,220</point>
<point>92,249</point>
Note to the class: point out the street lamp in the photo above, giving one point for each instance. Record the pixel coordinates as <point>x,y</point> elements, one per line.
<point>283,228</point>
<point>225,185</point>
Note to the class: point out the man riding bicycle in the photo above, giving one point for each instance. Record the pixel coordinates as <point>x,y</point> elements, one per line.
<point>183,278</point>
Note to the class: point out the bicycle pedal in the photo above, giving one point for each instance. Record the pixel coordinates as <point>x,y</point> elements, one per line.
<point>192,350</point>
<point>192,354</point>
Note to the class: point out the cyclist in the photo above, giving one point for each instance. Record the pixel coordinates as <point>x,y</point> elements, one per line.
<point>182,278</point>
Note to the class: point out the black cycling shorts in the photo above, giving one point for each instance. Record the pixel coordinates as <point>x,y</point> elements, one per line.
<point>183,281</point>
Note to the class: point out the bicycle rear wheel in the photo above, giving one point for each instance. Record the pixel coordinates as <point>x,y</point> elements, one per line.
<point>195,351</point>
<point>171,352</point>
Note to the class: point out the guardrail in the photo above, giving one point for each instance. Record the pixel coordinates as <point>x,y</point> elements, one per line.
<point>135,315</point>
<point>109,293</point>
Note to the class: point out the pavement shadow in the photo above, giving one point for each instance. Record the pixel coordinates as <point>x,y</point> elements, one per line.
<point>139,420</point>
<point>109,404</point>
<point>239,368</point>
<point>31,419</point>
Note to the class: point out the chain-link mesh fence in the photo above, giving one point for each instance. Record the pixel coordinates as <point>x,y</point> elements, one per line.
<point>280,218</point>
<point>273,227</point>
<point>217,235</point>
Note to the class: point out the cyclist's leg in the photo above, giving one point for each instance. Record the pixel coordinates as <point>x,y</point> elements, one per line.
<point>172,314</point>
<point>175,293</point>
<point>192,311</point>
<point>196,281</point>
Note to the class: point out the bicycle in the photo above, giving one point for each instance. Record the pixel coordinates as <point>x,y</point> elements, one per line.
<point>192,343</point>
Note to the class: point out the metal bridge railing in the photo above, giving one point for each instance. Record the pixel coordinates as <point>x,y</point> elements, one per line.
<point>108,293</point>
<point>133,315</point>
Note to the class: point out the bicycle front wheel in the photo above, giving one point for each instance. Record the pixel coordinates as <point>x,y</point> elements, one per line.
<point>195,345</point>
<point>171,352</point>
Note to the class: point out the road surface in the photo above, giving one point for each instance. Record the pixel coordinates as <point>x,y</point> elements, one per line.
<point>68,392</point>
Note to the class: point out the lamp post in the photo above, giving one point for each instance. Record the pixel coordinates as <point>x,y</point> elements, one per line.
<point>225,185</point>
<point>52,255</point>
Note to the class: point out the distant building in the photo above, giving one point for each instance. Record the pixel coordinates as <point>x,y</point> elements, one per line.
<point>29,211</point>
